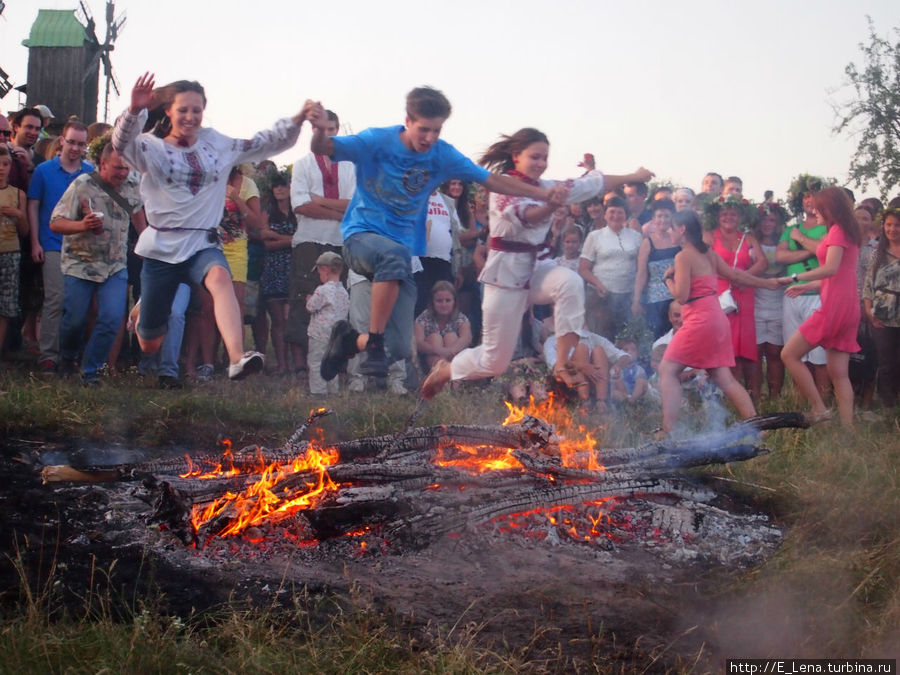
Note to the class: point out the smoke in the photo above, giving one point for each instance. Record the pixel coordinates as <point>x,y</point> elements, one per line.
<point>780,621</point>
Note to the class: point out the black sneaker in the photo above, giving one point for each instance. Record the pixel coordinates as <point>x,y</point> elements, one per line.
<point>336,353</point>
<point>169,382</point>
<point>374,363</point>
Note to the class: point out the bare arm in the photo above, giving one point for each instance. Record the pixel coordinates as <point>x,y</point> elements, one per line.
<point>833,257</point>
<point>678,279</point>
<point>315,210</point>
<point>37,253</point>
<point>254,220</point>
<point>640,280</point>
<point>785,256</point>
<point>18,215</point>
<point>726,271</point>
<point>335,204</point>
<point>463,339</point>
<point>139,220</point>
<point>585,270</point>
<point>808,243</point>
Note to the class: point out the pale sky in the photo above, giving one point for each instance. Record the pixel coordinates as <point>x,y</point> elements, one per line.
<point>681,88</point>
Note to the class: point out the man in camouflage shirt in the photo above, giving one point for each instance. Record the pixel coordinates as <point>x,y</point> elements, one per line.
<point>93,215</point>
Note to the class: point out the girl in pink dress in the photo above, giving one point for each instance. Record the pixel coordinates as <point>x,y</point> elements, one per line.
<point>834,325</point>
<point>741,250</point>
<point>704,339</point>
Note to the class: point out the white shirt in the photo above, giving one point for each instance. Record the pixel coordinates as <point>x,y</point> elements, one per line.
<point>592,340</point>
<point>439,227</point>
<point>306,181</point>
<point>185,187</point>
<point>613,257</point>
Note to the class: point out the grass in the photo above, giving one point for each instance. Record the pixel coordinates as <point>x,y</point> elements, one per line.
<point>833,589</point>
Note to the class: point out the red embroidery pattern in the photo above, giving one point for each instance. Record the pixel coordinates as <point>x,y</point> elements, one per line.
<point>195,174</point>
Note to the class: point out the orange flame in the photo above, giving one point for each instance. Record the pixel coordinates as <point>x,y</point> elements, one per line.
<point>259,501</point>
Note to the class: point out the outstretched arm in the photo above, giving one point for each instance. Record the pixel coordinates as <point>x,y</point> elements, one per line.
<point>507,185</point>
<point>612,182</point>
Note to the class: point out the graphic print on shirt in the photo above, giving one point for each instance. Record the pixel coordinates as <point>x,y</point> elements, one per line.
<point>415,179</point>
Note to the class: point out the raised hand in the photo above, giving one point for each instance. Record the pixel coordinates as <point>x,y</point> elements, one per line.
<point>142,92</point>
<point>315,113</point>
<point>643,175</point>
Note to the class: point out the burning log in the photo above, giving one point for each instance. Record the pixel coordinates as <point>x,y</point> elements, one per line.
<point>423,482</point>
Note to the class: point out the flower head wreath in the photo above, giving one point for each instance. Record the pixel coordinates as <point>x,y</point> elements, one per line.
<point>801,185</point>
<point>746,212</point>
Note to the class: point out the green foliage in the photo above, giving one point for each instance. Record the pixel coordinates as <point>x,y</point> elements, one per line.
<point>801,185</point>
<point>749,215</point>
<point>872,115</point>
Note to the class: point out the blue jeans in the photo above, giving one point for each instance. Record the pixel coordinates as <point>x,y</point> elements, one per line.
<point>165,361</point>
<point>159,283</point>
<point>76,306</point>
<point>381,259</point>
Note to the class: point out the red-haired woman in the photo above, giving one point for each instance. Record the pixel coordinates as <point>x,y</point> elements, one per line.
<point>834,325</point>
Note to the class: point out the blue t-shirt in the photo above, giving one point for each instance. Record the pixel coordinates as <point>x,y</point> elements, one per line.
<point>393,183</point>
<point>48,183</point>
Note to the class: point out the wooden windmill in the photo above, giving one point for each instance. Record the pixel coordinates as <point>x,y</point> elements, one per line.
<point>64,57</point>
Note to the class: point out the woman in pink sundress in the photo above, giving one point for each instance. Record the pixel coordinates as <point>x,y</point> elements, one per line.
<point>704,339</point>
<point>834,325</point>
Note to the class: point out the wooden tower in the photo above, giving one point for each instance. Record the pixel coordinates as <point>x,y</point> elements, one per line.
<point>63,71</point>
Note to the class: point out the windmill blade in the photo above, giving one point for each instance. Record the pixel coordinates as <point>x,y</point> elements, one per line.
<point>114,24</point>
<point>90,28</point>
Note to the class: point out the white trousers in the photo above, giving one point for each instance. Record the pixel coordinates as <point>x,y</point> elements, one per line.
<point>502,310</point>
<point>794,312</point>
<point>314,358</point>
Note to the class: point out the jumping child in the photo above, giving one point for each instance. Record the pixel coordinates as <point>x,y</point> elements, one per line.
<point>397,168</point>
<point>517,270</point>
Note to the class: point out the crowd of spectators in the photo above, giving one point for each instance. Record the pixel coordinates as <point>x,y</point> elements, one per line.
<point>71,212</point>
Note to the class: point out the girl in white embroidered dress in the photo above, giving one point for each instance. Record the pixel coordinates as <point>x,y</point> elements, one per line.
<point>518,269</point>
<point>184,170</point>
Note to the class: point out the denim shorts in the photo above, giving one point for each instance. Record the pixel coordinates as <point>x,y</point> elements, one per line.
<point>381,259</point>
<point>159,283</point>
<point>377,258</point>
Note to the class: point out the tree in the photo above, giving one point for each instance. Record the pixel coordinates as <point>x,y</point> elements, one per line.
<point>874,114</point>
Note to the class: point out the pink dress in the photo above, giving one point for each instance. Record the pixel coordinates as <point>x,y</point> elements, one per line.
<point>743,321</point>
<point>704,339</point>
<point>835,323</point>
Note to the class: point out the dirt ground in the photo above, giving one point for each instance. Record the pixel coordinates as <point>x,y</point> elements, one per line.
<point>562,605</point>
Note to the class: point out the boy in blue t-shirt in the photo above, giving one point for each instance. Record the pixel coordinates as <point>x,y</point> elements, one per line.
<point>397,168</point>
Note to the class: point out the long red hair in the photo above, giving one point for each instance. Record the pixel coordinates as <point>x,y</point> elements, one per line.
<point>835,207</point>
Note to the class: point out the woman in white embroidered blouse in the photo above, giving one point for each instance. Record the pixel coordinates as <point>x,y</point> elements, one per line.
<point>184,171</point>
<point>517,270</point>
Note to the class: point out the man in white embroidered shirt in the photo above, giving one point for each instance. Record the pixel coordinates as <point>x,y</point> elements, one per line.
<point>320,192</point>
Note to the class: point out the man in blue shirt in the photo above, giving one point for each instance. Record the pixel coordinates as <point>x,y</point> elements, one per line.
<point>48,183</point>
<point>397,168</point>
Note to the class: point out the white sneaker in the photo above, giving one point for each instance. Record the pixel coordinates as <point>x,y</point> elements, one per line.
<point>357,385</point>
<point>250,362</point>
<point>396,387</point>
